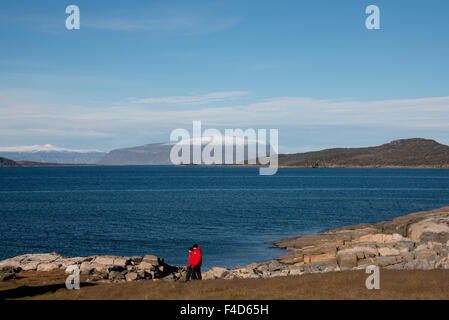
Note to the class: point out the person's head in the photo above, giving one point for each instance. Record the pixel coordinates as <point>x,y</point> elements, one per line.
<point>190,249</point>
<point>195,246</point>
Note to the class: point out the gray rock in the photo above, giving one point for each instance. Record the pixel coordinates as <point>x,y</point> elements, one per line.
<point>116,276</point>
<point>275,265</point>
<point>7,273</point>
<point>48,266</point>
<point>147,274</point>
<point>407,256</point>
<point>422,264</point>
<point>397,266</point>
<point>153,260</point>
<point>136,259</point>
<point>386,261</point>
<point>132,276</point>
<point>424,253</point>
<point>346,261</point>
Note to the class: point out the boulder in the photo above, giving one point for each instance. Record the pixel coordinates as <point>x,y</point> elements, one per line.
<point>389,260</point>
<point>90,267</point>
<point>116,276</point>
<point>65,262</point>
<point>407,256</point>
<point>7,273</point>
<point>121,262</point>
<point>346,260</point>
<point>292,258</point>
<point>216,273</point>
<point>361,252</point>
<point>397,266</point>
<point>132,276</point>
<point>380,238</point>
<point>424,253</point>
<point>146,266</point>
<point>430,229</point>
<point>295,271</point>
<point>104,260</point>
<point>48,266</point>
<point>30,266</point>
<point>32,261</point>
<point>443,263</point>
<point>252,266</point>
<point>323,257</point>
<point>136,259</point>
<point>386,252</point>
<point>418,264</point>
<point>365,262</point>
<point>275,265</point>
<point>421,246</point>
<point>324,266</point>
<point>150,259</point>
<point>10,263</point>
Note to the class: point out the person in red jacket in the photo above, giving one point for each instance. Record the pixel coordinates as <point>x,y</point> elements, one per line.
<point>190,273</point>
<point>198,261</point>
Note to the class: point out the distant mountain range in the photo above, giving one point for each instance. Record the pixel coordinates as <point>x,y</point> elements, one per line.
<point>156,153</point>
<point>51,154</point>
<point>406,153</point>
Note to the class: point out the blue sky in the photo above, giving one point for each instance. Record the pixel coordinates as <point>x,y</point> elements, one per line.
<point>138,69</point>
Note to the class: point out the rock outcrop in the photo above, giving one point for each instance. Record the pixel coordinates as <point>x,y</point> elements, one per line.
<point>97,268</point>
<point>415,241</point>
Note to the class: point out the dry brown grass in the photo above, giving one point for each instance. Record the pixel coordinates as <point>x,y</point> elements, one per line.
<point>432,284</point>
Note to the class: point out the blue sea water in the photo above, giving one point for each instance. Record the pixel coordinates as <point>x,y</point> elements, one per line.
<point>231,212</point>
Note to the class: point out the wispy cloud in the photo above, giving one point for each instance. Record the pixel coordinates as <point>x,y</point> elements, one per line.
<point>29,119</point>
<point>184,24</point>
<point>195,99</point>
<point>39,148</point>
<point>191,20</point>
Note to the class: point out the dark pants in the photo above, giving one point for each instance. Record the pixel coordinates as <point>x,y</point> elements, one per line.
<point>193,273</point>
<point>197,272</point>
<point>190,274</point>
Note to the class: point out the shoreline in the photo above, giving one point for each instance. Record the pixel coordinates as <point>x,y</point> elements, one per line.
<point>25,164</point>
<point>417,241</point>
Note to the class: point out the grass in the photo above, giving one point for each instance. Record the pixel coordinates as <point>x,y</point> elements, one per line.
<point>417,284</point>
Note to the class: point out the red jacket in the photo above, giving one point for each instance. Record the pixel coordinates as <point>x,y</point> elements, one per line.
<point>198,260</point>
<point>191,259</point>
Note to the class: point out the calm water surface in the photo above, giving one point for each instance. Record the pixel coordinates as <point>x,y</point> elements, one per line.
<point>230,212</point>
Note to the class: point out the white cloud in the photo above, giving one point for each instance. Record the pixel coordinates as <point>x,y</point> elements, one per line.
<point>195,99</point>
<point>40,148</point>
<point>25,119</point>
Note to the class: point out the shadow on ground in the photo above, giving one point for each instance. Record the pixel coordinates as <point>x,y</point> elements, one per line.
<point>29,291</point>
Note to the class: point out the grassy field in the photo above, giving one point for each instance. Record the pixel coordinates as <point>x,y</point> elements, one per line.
<point>433,284</point>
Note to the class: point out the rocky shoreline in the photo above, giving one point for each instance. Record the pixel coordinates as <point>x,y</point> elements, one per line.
<point>418,241</point>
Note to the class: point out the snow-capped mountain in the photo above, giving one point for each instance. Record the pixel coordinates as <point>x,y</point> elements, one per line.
<point>51,154</point>
<point>159,153</point>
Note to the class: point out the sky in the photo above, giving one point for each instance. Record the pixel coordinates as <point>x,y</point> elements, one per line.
<point>136,70</point>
